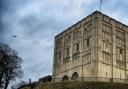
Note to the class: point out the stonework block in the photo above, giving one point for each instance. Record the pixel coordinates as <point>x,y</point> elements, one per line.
<point>98,48</point>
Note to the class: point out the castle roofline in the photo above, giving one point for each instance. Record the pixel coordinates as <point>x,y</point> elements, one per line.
<point>95,12</point>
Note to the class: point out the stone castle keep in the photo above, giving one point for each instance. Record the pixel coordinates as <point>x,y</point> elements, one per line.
<point>94,49</point>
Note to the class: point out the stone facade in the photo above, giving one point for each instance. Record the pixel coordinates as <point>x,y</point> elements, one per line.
<point>95,48</point>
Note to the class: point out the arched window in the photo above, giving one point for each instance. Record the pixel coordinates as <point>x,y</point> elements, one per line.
<point>75,76</point>
<point>65,78</point>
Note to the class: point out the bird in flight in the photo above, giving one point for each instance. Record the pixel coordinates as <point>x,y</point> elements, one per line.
<point>14,36</point>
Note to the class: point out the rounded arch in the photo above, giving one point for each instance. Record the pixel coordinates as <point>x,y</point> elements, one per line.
<point>75,76</point>
<point>65,78</point>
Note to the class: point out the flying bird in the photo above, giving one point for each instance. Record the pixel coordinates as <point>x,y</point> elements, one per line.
<point>14,36</point>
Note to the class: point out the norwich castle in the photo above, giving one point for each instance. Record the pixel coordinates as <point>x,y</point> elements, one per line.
<point>93,49</point>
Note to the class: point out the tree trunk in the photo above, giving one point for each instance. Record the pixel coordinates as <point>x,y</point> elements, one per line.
<point>1,76</point>
<point>6,84</point>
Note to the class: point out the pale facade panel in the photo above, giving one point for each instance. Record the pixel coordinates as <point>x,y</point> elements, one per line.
<point>95,48</point>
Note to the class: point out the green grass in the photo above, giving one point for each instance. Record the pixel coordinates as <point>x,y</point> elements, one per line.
<point>78,85</point>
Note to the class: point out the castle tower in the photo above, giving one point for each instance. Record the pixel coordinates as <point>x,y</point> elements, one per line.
<point>94,49</point>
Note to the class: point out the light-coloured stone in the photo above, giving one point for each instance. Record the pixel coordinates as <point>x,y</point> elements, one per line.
<point>95,47</point>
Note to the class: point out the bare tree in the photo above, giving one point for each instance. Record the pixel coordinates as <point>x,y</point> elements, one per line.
<point>10,65</point>
<point>4,57</point>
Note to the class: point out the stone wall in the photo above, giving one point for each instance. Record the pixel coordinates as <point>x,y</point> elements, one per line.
<point>96,46</point>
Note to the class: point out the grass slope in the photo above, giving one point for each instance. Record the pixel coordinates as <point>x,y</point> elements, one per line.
<point>78,85</point>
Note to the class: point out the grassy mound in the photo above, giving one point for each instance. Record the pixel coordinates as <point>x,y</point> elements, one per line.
<point>78,85</point>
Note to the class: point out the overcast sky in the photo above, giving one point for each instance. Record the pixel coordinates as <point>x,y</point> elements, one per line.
<point>36,22</point>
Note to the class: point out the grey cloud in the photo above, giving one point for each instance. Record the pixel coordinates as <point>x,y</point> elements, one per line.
<point>33,25</point>
<point>12,5</point>
<point>36,22</point>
